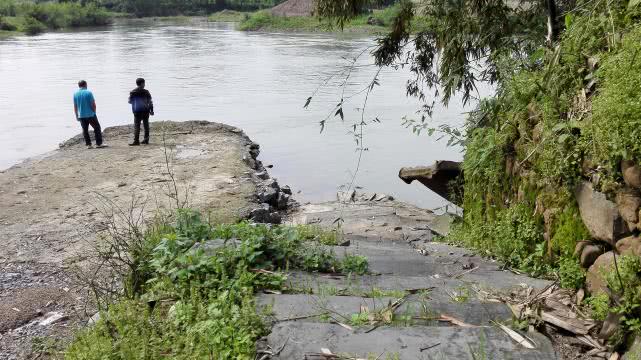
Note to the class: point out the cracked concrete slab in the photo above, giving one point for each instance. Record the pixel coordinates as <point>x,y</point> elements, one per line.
<point>404,343</point>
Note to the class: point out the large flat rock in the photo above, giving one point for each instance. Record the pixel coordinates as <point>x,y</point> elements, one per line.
<point>405,343</point>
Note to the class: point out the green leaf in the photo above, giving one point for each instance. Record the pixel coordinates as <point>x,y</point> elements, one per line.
<point>633,3</point>
<point>568,20</point>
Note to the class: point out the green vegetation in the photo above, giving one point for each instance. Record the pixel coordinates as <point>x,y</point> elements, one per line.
<point>571,274</point>
<point>356,264</point>
<point>599,306</point>
<point>565,111</point>
<point>626,281</point>
<point>319,235</point>
<point>145,8</point>
<point>33,18</point>
<point>379,21</point>
<point>187,296</point>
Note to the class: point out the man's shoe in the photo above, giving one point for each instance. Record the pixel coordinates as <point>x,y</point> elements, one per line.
<point>89,146</point>
<point>145,142</point>
<point>101,146</point>
<point>135,143</point>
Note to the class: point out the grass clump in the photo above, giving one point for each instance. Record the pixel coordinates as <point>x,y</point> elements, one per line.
<point>568,231</point>
<point>357,264</point>
<point>514,237</point>
<point>317,234</point>
<point>196,293</point>
<point>571,274</point>
<point>599,306</point>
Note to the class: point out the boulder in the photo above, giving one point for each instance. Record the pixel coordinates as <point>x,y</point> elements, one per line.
<point>629,246</point>
<point>275,218</point>
<point>590,253</point>
<point>262,175</point>
<point>599,214</point>
<point>261,214</point>
<point>594,279</point>
<point>628,202</point>
<point>268,195</point>
<point>631,173</point>
<point>286,189</point>
<point>283,200</point>
<point>346,196</point>
<point>272,183</point>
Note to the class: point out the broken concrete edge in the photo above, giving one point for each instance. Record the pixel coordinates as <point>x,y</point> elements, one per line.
<point>436,177</point>
<point>437,223</point>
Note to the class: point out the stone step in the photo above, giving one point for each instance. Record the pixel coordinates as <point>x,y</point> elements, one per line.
<point>298,340</point>
<point>416,309</point>
<point>440,260</point>
<point>364,285</point>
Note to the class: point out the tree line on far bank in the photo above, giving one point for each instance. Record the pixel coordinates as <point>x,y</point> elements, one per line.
<point>33,17</point>
<point>143,8</point>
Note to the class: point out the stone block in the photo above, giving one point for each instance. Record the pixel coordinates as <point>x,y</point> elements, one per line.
<point>628,202</point>
<point>595,280</point>
<point>631,173</point>
<point>599,214</point>
<point>630,245</point>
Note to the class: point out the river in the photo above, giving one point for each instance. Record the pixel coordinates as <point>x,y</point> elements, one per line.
<point>259,82</point>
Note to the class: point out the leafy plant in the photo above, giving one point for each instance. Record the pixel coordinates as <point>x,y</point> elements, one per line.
<point>625,281</point>
<point>197,300</point>
<point>354,264</point>
<point>599,306</point>
<point>571,273</point>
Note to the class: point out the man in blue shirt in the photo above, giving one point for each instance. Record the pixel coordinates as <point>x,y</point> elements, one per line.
<point>84,105</point>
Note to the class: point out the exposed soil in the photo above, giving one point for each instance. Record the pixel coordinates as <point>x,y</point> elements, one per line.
<point>294,8</point>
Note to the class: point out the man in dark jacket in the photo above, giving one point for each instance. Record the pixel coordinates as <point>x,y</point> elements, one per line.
<point>142,107</point>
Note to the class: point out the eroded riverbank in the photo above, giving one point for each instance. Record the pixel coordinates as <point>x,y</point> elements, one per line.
<point>56,205</point>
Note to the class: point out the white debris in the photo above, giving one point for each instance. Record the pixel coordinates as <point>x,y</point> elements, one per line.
<point>52,317</point>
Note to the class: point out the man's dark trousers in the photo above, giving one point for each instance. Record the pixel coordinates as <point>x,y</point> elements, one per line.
<point>93,121</point>
<point>138,117</point>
